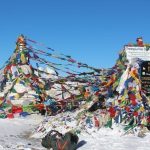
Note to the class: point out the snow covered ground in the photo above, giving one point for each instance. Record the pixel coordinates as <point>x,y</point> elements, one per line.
<point>15,135</point>
<point>107,139</point>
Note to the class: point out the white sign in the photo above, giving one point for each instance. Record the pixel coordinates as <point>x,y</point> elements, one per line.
<point>137,52</point>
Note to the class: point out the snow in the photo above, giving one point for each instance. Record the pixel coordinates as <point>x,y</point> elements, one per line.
<point>107,139</point>
<point>16,135</point>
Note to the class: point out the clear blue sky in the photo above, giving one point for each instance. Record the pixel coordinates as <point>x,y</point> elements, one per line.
<point>92,31</point>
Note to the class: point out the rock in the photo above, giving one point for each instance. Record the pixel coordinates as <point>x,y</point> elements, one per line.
<point>141,134</point>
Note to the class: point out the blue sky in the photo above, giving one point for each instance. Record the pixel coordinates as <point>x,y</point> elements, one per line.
<point>91,31</point>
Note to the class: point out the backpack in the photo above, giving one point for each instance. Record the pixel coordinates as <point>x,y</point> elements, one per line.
<point>57,141</point>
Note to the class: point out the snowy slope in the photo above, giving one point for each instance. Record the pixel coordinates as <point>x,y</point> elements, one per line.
<point>15,135</point>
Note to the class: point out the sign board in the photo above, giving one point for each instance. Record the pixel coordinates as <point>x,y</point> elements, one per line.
<point>145,77</point>
<point>133,52</point>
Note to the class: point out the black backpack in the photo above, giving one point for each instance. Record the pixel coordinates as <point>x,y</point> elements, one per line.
<point>57,141</point>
